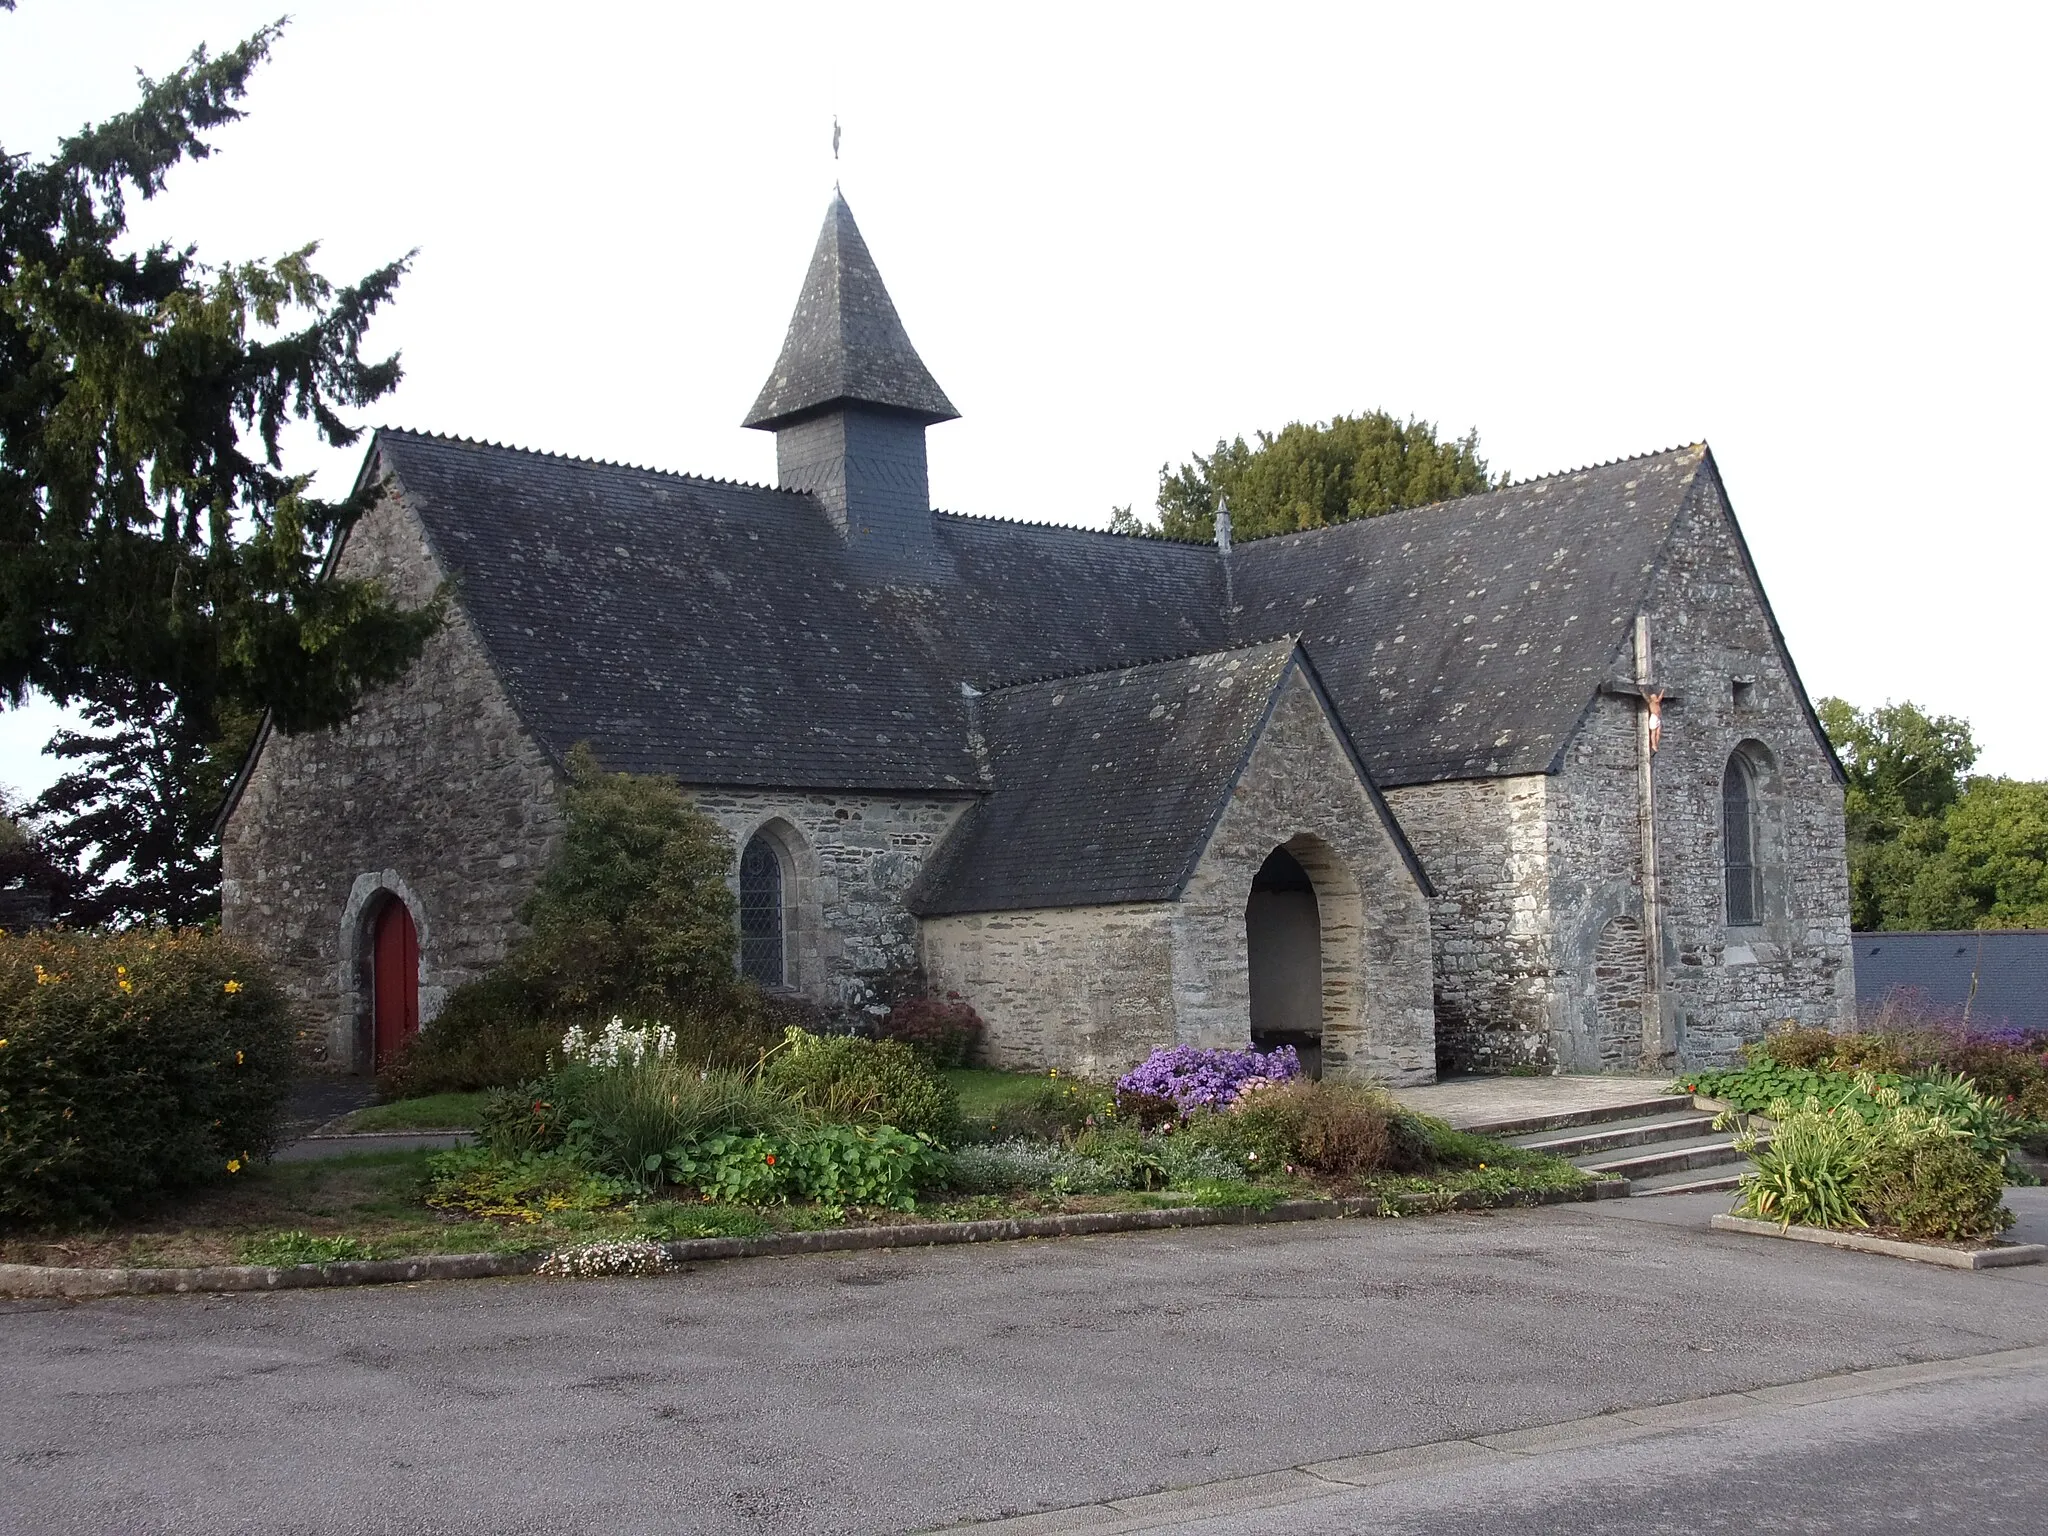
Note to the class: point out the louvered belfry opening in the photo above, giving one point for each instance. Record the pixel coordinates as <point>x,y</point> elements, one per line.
<point>1738,843</point>
<point>764,951</point>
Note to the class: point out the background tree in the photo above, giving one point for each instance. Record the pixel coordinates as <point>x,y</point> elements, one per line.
<point>1309,476</point>
<point>157,561</point>
<point>1928,847</point>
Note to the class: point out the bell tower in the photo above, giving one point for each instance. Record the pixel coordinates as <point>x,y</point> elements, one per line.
<point>849,402</point>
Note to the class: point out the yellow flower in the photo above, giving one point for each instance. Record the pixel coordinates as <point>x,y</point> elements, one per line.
<point>231,986</point>
<point>127,986</point>
<point>238,1058</point>
<point>234,1165</point>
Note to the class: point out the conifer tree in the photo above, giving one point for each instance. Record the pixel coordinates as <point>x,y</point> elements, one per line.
<point>158,562</point>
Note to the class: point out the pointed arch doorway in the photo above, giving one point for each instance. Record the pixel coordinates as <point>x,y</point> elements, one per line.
<point>1283,932</point>
<point>394,980</point>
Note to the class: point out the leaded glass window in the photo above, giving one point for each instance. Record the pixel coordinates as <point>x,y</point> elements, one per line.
<point>763,956</point>
<point>1738,842</point>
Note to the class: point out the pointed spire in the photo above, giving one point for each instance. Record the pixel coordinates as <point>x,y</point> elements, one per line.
<point>846,344</point>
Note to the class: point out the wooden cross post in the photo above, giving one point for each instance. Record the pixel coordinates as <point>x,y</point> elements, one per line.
<point>1653,696</point>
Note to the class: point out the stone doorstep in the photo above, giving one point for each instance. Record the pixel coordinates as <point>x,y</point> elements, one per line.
<point>22,1280</point>
<point>1897,1248</point>
<point>1572,1119</point>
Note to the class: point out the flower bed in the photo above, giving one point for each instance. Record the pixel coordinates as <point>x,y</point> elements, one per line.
<point>564,1165</point>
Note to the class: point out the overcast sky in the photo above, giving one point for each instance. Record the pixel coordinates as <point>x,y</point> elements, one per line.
<point>1811,236</point>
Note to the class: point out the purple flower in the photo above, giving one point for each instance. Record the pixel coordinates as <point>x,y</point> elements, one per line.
<point>1193,1078</point>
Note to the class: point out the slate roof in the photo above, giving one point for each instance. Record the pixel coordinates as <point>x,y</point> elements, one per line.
<point>716,631</point>
<point>2010,967</point>
<point>1465,639</point>
<point>845,341</point>
<point>1104,787</point>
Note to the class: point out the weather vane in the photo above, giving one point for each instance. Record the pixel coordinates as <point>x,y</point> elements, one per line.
<point>835,136</point>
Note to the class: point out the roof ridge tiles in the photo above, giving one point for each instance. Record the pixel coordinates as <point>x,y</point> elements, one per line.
<point>579,458</point>
<point>1290,637</point>
<point>1033,522</point>
<point>1516,485</point>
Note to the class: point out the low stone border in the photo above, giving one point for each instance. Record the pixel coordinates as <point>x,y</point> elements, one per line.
<point>41,1280</point>
<point>1861,1242</point>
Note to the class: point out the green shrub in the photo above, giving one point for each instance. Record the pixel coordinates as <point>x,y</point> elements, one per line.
<point>831,1164</point>
<point>283,1249</point>
<point>1927,1158</point>
<point>993,1168</point>
<point>1337,1130</point>
<point>846,1080</point>
<point>131,1064</point>
<point>1941,1189</point>
<point>486,1036</point>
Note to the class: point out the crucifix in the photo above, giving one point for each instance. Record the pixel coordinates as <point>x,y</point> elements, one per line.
<point>1652,696</point>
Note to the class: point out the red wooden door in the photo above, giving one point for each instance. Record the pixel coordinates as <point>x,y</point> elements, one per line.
<point>395,982</point>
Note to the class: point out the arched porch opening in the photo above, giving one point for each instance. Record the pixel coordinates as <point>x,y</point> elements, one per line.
<point>1284,955</point>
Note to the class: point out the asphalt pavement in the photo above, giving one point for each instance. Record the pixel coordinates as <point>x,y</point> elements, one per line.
<point>911,1389</point>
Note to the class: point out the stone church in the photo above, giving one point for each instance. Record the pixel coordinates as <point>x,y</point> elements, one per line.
<point>1526,779</point>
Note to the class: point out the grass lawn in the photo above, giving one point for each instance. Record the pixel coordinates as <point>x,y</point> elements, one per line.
<point>435,1112</point>
<point>983,1090</point>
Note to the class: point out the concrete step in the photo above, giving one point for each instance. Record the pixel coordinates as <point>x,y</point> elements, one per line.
<point>1591,1140</point>
<point>1690,1181</point>
<point>1677,1157</point>
<point>1650,1104</point>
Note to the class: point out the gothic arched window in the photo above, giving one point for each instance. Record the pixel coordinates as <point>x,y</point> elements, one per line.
<point>1738,842</point>
<point>763,954</point>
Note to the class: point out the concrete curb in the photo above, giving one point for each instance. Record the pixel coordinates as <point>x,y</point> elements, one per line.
<point>1860,1242</point>
<point>25,1280</point>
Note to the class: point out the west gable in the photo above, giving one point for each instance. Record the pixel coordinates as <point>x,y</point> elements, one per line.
<point>434,791</point>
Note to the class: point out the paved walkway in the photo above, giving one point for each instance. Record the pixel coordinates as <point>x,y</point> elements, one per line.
<point>1484,1101</point>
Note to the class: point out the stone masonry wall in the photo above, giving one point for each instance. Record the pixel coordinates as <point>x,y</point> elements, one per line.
<point>433,791</point>
<point>1725,985</point>
<point>1301,789</point>
<point>847,861</point>
<point>1483,844</point>
<point>1088,990</point>
<point>1093,989</point>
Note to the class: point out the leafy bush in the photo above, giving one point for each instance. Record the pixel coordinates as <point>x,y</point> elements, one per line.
<point>846,1080</point>
<point>283,1249</point>
<point>1929,1168</point>
<point>1193,1078</point>
<point>485,1036</point>
<point>945,1029</point>
<point>1991,1125</point>
<point>525,1188</point>
<point>1941,1189</point>
<point>831,1164</point>
<point>133,1063</point>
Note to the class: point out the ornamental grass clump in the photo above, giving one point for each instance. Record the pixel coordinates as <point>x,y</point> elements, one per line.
<point>133,1064</point>
<point>842,1079</point>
